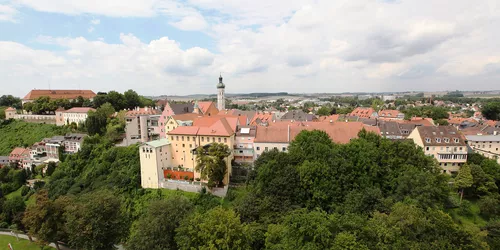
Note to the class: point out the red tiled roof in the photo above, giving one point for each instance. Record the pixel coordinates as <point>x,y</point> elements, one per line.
<point>329,118</point>
<point>267,117</point>
<point>59,94</point>
<point>362,112</point>
<point>184,130</point>
<point>187,117</point>
<point>79,110</point>
<point>219,128</point>
<point>18,151</point>
<point>10,109</point>
<point>389,113</point>
<point>339,132</point>
<point>204,106</point>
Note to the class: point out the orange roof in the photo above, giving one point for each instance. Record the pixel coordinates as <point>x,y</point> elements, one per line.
<point>219,128</point>
<point>362,112</point>
<point>79,110</point>
<point>184,130</point>
<point>242,120</point>
<point>143,111</point>
<point>59,94</point>
<point>186,117</point>
<point>389,113</point>
<point>204,106</point>
<point>206,121</point>
<point>263,117</point>
<point>227,112</point>
<point>10,109</point>
<point>329,118</point>
<point>18,151</point>
<point>339,132</point>
<point>460,120</point>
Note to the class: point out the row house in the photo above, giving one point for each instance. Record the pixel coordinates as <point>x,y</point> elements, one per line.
<point>278,135</point>
<point>444,143</point>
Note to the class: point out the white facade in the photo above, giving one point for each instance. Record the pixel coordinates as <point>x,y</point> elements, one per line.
<point>76,118</point>
<point>221,101</point>
<point>261,147</point>
<point>155,157</point>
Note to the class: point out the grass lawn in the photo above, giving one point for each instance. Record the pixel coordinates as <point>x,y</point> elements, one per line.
<point>18,245</point>
<point>14,194</point>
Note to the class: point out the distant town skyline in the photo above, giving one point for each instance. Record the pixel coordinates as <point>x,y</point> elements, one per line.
<point>173,47</point>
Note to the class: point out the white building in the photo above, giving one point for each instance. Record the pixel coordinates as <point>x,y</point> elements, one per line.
<point>155,158</point>
<point>486,145</point>
<point>75,115</point>
<point>221,98</point>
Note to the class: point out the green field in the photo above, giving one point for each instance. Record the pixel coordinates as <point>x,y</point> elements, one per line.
<point>24,134</point>
<point>18,245</point>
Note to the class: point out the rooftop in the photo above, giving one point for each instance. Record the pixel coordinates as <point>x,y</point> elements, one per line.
<point>59,94</point>
<point>79,110</point>
<point>495,138</point>
<point>158,143</point>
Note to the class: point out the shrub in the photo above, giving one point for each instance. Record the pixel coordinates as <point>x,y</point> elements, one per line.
<point>186,177</point>
<point>465,208</point>
<point>489,206</point>
<point>169,176</point>
<point>453,201</point>
<point>25,190</point>
<point>197,179</point>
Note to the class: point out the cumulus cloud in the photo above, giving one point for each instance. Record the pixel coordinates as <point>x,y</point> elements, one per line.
<point>7,13</point>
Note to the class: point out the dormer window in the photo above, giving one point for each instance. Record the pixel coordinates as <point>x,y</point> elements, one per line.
<point>428,140</point>
<point>446,140</point>
<point>438,140</point>
<point>455,140</point>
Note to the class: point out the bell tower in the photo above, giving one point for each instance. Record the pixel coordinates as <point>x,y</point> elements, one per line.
<point>221,98</point>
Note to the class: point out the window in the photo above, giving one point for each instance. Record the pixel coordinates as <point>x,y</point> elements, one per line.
<point>241,151</point>
<point>438,140</point>
<point>143,150</point>
<point>202,139</point>
<point>177,137</point>
<point>428,140</point>
<point>194,138</point>
<point>218,139</point>
<point>446,140</point>
<point>188,138</point>
<point>182,138</point>
<point>455,140</point>
<point>284,149</point>
<point>190,145</point>
<point>213,139</point>
<point>183,145</point>
<point>168,127</point>
<point>225,140</point>
<point>265,149</point>
<point>427,148</point>
<point>258,148</point>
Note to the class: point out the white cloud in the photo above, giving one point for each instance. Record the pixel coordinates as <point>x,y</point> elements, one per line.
<point>196,22</point>
<point>7,13</point>
<point>90,29</point>
<point>95,21</point>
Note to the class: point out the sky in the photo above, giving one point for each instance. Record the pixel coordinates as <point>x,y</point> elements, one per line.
<point>179,47</point>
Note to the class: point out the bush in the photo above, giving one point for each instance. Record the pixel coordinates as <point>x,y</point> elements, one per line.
<point>465,208</point>
<point>169,176</point>
<point>25,190</point>
<point>4,224</point>
<point>186,177</point>
<point>38,185</point>
<point>197,179</point>
<point>489,206</point>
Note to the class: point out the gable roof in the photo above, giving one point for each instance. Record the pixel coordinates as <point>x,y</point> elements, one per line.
<point>261,117</point>
<point>362,112</point>
<point>389,113</point>
<point>143,111</point>
<point>59,94</point>
<point>18,151</point>
<point>181,108</point>
<point>10,109</point>
<point>204,106</point>
<point>437,136</point>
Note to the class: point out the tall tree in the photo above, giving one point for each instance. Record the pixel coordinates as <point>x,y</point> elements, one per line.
<point>211,163</point>
<point>95,221</point>
<point>132,99</point>
<point>491,111</point>
<point>464,179</point>
<point>156,228</point>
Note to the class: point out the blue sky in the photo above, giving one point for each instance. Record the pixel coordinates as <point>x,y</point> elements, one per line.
<point>179,47</point>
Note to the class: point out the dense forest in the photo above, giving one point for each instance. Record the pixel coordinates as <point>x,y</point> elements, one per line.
<point>369,194</point>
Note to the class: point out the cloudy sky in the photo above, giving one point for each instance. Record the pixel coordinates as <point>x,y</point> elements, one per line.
<point>178,47</point>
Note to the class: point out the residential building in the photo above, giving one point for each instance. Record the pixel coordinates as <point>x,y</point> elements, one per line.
<point>391,114</point>
<point>52,146</point>
<point>364,112</point>
<point>10,113</point>
<point>486,145</point>
<point>76,115</point>
<point>155,159</point>
<point>221,98</point>
<point>262,118</point>
<point>73,143</point>
<point>278,135</point>
<point>142,125</point>
<point>17,154</point>
<point>243,145</point>
<point>444,143</point>
<point>196,109</point>
<point>175,121</point>
<point>58,94</point>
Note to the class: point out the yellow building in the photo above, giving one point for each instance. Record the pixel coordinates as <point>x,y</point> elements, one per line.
<point>444,143</point>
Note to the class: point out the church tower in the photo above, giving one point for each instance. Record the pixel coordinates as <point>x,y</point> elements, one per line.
<point>221,98</point>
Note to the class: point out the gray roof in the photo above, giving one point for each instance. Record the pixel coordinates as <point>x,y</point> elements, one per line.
<point>297,115</point>
<point>390,128</point>
<point>158,143</point>
<point>483,137</point>
<point>182,108</point>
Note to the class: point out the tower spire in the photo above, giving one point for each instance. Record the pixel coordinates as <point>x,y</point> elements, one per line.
<point>221,99</point>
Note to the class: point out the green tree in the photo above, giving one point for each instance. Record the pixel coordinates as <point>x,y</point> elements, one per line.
<point>377,104</point>
<point>324,111</point>
<point>347,241</point>
<point>211,163</point>
<point>464,179</point>
<point>216,229</point>
<point>117,100</point>
<point>95,221</point>
<point>96,123</point>
<point>491,111</point>
<point>44,219</point>
<point>132,99</point>
<point>51,167</point>
<point>156,228</point>
<point>13,208</point>
<point>10,101</point>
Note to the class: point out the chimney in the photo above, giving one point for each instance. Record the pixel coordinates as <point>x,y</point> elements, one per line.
<point>331,121</point>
